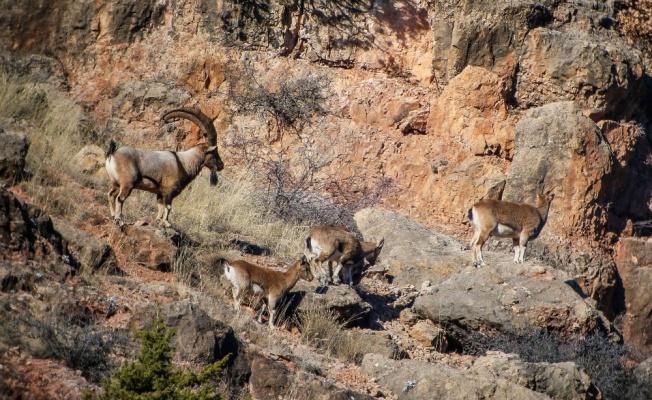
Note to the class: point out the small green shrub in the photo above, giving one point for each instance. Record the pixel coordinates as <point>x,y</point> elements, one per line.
<point>152,375</point>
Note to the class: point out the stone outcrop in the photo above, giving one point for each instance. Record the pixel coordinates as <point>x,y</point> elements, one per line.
<point>149,246</point>
<point>13,150</point>
<point>634,261</point>
<point>412,252</point>
<point>508,298</point>
<point>495,376</point>
<point>86,250</point>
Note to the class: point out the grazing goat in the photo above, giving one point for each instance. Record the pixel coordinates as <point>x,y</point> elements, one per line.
<point>164,173</point>
<point>272,285</point>
<point>519,221</point>
<point>336,244</point>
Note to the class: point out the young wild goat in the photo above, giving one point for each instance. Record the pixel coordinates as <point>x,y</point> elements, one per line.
<point>519,221</point>
<point>336,244</point>
<point>164,173</point>
<point>272,285</point>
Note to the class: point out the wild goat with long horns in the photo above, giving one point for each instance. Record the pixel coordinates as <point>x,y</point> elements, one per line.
<point>164,173</point>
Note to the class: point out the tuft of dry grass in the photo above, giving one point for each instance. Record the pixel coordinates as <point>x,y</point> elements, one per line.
<point>321,328</point>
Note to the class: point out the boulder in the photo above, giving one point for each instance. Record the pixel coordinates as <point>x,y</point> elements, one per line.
<point>367,341</point>
<point>13,150</point>
<point>26,232</point>
<point>508,297</point>
<point>412,251</point>
<point>90,159</point>
<point>271,380</point>
<point>429,335</point>
<point>149,246</point>
<point>343,300</point>
<point>558,380</point>
<point>634,261</point>
<point>198,338</point>
<point>86,250</point>
<point>495,376</point>
<point>419,380</point>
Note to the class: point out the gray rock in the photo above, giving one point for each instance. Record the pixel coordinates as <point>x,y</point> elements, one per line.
<point>557,380</point>
<point>508,298</point>
<point>87,250</point>
<point>375,342</point>
<point>90,159</point>
<point>341,299</point>
<point>413,252</point>
<point>198,338</point>
<point>418,380</point>
<point>13,150</point>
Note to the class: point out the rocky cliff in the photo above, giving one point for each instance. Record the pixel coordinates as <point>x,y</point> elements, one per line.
<point>418,107</point>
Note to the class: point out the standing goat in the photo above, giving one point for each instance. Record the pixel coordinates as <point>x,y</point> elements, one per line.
<point>272,285</point>
<point>519,221</point>
<point>164,173</point>
<point>336,244</point>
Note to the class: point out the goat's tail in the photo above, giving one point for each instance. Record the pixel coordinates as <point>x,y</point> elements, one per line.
<point>308,244</point>
<point>471,214</point>
<point>111,149</point>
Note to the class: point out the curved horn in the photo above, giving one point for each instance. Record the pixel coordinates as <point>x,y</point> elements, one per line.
<point>195,115</point>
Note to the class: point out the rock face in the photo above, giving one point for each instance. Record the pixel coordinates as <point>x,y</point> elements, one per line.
<point>634,266</point>
<point>199,338</point>
<point>412,251</point>
<point>149,246</point>
<point>273,380</point>
<point>13,150</point>
<point>495,376</point>
<point>86,250</point>
<point>26,232</point>
<point>508,298</point>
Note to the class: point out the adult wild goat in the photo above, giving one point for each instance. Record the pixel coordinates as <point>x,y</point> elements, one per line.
<point>164,173</point>
<point>351,255</point>
<point>519,221</point>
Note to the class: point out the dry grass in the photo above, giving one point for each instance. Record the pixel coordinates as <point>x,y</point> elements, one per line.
<point>235,207</point>
<point>321,328</point>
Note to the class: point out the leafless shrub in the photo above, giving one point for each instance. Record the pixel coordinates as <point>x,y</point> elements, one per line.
<point>289,106</point>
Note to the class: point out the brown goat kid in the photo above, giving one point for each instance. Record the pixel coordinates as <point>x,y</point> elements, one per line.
<point>164,173</point>
<point>519,221</point>
<point>270,284</point>
<point>336,244</point>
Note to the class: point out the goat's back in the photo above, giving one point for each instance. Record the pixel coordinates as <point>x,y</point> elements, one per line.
<point>243,273</point>
<point>490,213</point>
<point>330,241</point>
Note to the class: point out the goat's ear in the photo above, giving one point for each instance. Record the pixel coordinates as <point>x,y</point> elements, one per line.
<point>210,149</point>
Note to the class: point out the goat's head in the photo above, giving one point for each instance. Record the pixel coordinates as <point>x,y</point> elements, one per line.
<point>212,159</point>
<point>305,271</point>
<point>213,162</point>
<point>371,258</point>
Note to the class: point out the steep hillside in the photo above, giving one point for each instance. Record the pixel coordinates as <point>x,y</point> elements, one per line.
<point>389,117</point>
